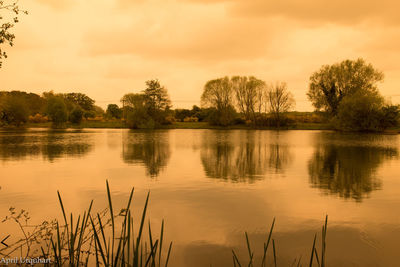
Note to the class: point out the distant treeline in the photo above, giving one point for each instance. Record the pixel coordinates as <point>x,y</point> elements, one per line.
<point>344,94</point>
<point>18,108</point>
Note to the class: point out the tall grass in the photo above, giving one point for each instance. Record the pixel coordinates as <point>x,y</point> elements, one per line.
<point>97,236</point>
<point>318,260</point>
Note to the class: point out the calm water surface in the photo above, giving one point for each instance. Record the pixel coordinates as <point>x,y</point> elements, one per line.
<point>211,186</point>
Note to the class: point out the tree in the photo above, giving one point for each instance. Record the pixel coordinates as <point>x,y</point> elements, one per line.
<point>137,117</point>
<point>82,100</point>
<point>157,98</point>
<point>248,92</point>
<point>6,36</point>
<point>280,100</point>
<point>148,109</point>
<point>13,110</point>
<point>76,115</point>
<point>218,94</point>
<point>332,83</point>
<point>57,111</point>
<point>113,111</point>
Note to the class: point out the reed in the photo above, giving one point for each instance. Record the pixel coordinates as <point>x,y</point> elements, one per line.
<point>315,260</point>
<point>109,244</point>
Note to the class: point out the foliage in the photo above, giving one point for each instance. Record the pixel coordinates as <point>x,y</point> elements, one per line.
<point>196,112</point>
<point>250,94</point>
<point>13,110</point>
<point>113,111</point>
<point>156,97</point>
<point>191,119</point>
<point>332,83</point>
<point>218,94</point>
<point>149,109</point>
<point>366,111</point>
<point>280,100</point>
<point>57,111</point>
<point>79,99</point>
<point>181,114</point>
<point>34,103</point>
<point>99,111</point>
<point>6,36</point>
<point>38,118</point>
<point>390,116</point>
<point>224,117</point>
<point>76,115</point>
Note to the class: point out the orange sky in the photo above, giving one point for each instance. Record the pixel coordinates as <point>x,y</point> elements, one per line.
<point>106,48</point>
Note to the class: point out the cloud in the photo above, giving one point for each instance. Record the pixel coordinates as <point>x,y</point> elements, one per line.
<point>57,4</point>
<point>186,33</point>
<point>322,11</point>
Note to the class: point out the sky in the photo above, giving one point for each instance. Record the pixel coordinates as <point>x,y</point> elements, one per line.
<point>107,48</point>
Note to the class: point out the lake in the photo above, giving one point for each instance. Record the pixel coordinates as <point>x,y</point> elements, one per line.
<point>211,186</point>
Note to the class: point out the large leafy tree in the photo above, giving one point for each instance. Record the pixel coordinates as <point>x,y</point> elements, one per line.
<point>113,111</point>
<point>157,98</point>
<point>82,100</point>
<point>148,109</point>
<point>6,35</point>
<point>330,84</point>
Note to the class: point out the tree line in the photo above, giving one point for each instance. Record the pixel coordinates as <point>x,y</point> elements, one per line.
<point>17,108</point>
<point>345,94</point>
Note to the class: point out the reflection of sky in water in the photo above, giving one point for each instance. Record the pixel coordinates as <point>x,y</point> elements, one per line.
<point>211,186</point>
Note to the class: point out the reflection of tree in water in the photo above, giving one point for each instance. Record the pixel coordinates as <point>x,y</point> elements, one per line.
<point>148,148</point>
<point>17,146</point>
<point>348,170</point>
<point>58,146</point>
<point>279,157</point>
<point>241,156</point>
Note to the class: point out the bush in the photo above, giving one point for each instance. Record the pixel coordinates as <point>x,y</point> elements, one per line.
<point>89,114</point>
<point>191,119</point>
<point>38,118</point>
<point>224,117</point>
<point>139,119</point>
<point>366,111</point>
<point>390,116</point>
<point>272,121</point>
<point>170,120</point>
<point>76,115</point>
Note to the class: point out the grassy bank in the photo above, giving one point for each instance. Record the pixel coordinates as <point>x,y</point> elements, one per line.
<point>183,125</point>
<point>199,125</point>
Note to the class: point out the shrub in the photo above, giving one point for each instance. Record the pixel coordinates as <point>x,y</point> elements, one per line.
<point>170,120</point>
<point>139,119</point>
<point>222,117</point>
<point>191,119</point>
<point>366,111</point>
<point>76,115</point>
<point>57,111</point>
<point>38,118</point>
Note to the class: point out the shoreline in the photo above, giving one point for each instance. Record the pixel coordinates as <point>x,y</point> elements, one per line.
<point>191,125</point>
